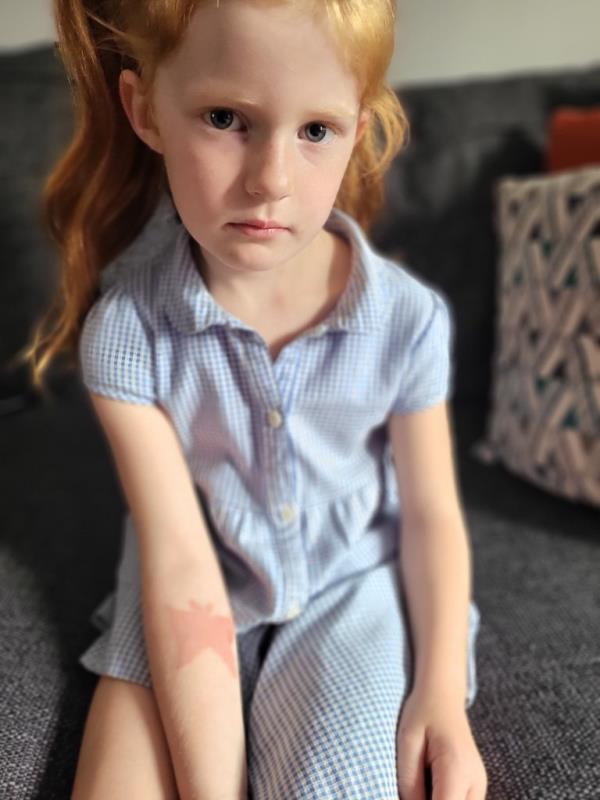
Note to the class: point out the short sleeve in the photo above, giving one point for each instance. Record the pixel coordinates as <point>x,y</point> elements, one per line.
<point>427,377</point>
<point>116,349</point>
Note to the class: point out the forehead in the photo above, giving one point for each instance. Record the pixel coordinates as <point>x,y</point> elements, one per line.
<point>274,51</point>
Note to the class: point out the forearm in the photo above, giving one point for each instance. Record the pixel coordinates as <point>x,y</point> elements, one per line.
<point>436,571</point>
<point>192,651</point>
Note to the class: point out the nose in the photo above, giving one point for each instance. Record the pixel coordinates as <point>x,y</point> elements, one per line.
<point>269,170</point>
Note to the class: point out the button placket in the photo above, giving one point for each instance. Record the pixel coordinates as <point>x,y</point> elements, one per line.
<point>281,476</point>
<point>287,511</point>
<point>277,469</point>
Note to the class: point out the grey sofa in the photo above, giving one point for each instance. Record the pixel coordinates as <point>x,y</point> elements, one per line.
<point>536,557</point>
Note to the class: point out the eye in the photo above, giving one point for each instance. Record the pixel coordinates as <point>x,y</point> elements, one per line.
<point>221,116</point>
<point>320,125</point>
<point>221,119</point>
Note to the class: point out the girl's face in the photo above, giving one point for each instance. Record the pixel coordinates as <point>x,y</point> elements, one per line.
<point>255,118</point>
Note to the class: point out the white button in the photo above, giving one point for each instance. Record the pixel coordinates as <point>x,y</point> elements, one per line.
<point>288,512</point>
<point>293,611</point>
<point>320,330</point>
<point>275,418</point>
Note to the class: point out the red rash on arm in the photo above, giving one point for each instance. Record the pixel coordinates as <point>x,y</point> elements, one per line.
<point>199,628</point>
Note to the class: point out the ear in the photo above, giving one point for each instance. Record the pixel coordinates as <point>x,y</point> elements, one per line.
<point>363,121</point>
<point>137,107</point>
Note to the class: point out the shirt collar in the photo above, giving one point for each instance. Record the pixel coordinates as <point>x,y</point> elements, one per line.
<point>191,308</point>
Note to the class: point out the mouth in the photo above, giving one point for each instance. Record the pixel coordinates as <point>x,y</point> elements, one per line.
<point>270,224</point>
<point>257,231</point>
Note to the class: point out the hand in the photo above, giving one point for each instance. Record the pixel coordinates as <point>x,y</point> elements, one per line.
<point>434,731</point>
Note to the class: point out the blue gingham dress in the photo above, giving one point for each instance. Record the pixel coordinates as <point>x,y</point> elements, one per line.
<point>293,469</point>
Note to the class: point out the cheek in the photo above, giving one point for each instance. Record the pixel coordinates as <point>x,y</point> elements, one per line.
<point>198,176</point>
<point>192,155</point>
<point>322,184</point>
<point>190,159</point>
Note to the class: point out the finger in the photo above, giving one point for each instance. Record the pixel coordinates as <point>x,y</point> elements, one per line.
<point>410,768</point>
<point>448,782</point>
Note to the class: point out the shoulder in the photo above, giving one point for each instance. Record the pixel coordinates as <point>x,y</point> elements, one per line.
<point>414,304</point>
<point>419,339</point>
<point>116,348</point>
<point>131,297</point>
<point>117,315</point>
<point>133,283</point>
<point>399,299</point>
<point>117,343</point>
<point>137,283</point>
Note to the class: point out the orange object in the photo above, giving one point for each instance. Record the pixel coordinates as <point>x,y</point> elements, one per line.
<point>573,138</point>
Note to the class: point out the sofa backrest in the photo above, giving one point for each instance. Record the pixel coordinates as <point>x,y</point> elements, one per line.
<point>439,217</point>
<point>37,119</point>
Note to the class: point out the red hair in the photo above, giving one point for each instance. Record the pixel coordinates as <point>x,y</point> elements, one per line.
<point>107,182</point>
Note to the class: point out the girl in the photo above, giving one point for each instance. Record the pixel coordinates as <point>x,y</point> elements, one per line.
<point>274,393</point>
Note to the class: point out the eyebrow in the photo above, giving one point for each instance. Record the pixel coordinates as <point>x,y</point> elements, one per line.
<point>339,113</point>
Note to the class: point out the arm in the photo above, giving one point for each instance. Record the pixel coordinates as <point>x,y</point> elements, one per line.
<point>435,554</point>
<point>188,626</point>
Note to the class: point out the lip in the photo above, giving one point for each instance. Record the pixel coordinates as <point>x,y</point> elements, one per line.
<point>260,223</point>
<point>254,232</point>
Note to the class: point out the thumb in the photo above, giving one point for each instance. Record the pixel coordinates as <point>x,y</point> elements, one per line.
<point>410,766</point>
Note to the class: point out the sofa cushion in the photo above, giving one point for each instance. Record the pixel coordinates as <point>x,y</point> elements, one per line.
<point>544,422</point>
<point>573,138</point>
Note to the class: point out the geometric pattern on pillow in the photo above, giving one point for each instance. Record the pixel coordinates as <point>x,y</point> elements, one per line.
<point>544,421</point>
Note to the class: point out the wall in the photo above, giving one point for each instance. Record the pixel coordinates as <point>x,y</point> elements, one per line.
<point>437,40</point>
<point>25,23</point>
<point>451,39</point>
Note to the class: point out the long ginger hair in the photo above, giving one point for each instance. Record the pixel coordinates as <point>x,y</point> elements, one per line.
<point>102,189</point>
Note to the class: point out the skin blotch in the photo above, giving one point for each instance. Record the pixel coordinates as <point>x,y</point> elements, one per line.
<point>198,628</point>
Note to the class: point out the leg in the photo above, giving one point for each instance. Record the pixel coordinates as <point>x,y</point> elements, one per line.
<point>326,704</point>
<point>251,648</point>
<point>124,753</point>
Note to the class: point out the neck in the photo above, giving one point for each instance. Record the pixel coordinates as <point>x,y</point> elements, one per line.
<point>279,287</point>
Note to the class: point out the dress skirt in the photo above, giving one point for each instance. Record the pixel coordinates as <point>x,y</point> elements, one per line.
<point>322,692</point>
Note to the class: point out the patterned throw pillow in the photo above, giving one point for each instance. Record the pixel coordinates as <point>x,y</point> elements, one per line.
<point>544,423</point>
